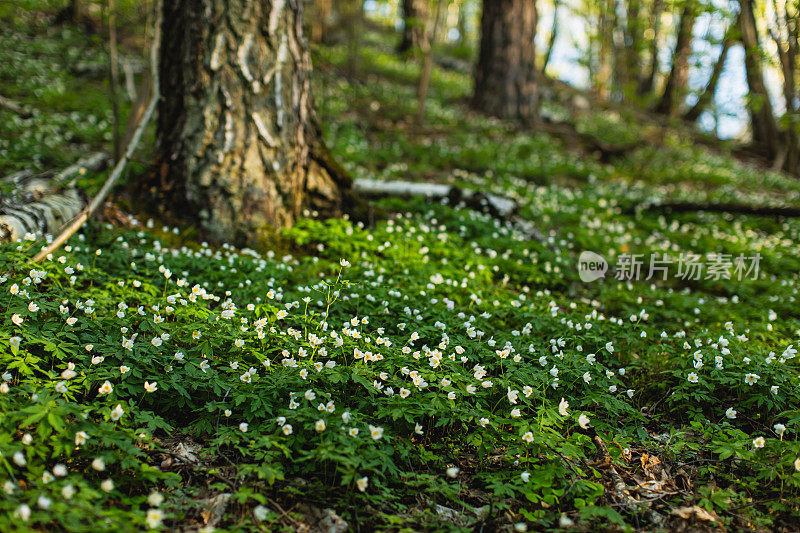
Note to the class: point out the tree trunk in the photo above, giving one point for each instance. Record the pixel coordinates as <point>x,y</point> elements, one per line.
<point>415,34</point>
<point>427,63</point>
<point>462,23</point>
<point>321,21</point>
<point>505,76</point>
<point>633,42</point>
<point>765,128</point>
<point>77,11</point>
<point>351,16</point>
<point>707,96</point>
<point>785,31</point>
<point>647,82</point>
<point>605,69</point>
<point>679,73</point>
<point>239,145</point>
<point>551,42</point>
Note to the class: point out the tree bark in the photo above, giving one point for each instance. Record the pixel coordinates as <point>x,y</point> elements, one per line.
<point>505,76</point>
<point>41,204</point>
<point>707,96</point>
<point>77,11</point>
<point>764,126</point>
<point>679,73</point>
<point>239,147</point>
<point>415,34</point>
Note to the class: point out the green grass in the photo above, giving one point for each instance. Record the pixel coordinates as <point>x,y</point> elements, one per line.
<point>452,298</point>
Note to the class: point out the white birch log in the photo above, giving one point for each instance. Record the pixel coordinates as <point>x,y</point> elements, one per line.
<point>500,207</point>
<point>43,203</point>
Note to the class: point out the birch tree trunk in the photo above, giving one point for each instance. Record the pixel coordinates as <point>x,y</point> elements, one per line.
<point>239,145</point>
<point>505,76</point>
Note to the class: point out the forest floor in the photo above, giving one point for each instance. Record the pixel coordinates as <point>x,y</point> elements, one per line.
<point>419,366</point>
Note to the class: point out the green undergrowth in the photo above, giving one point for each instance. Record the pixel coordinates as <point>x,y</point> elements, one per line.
<point>438,369</point>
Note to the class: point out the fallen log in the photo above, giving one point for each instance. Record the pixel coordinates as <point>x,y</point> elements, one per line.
<point>43,203</point>
<point>500,207</point>
<point>734,209</point>
<point>133,65</point>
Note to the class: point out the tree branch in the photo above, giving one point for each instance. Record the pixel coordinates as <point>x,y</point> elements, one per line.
<point>120,166</point>
<point>14,107</point>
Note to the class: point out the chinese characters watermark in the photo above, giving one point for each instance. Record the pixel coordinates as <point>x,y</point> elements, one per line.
<point>687,266</point>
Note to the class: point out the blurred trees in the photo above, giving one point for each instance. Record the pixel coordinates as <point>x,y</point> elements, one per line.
<point>678,78</point>
<point>666,56</point>
<point>415,32</point>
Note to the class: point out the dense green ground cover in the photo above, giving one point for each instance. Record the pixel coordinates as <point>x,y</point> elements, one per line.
<point>429,367</point>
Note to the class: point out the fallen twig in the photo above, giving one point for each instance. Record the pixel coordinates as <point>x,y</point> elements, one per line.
<point>621,491</point>
<point>284,513</point>
<point>15,107</point>
<point>120,166</point>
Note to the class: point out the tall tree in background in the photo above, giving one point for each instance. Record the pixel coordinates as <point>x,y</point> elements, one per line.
<point>605,48</point>
<point>784,28</point>
<point>551,40</point>
<point>706,96</point>
<point>678,78</point>
<point>415,33</point>
<point>634,41</point>
<point>352,16</point>
<point>785,32</point>
<point>322,18</point>
<point>505,76</point>
<point>427,60</point>
<point>239,145</point>
<point>461,25</point>
<point>647,81</point>
<point>764,126</point>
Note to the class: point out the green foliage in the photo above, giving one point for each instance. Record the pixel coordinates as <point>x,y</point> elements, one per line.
<point>436,360</point>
